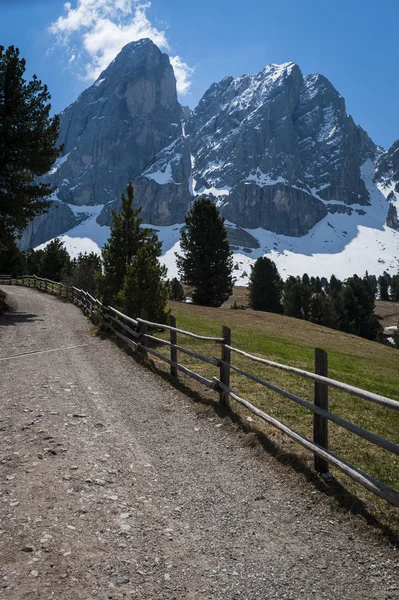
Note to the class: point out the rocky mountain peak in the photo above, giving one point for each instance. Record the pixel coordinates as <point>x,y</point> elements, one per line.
<point>117,126</point>
<point>275,149</point>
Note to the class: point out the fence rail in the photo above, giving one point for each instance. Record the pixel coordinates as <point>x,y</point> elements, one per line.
<point>126,328</point>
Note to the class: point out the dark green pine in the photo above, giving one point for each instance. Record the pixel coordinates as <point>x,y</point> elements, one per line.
<point>206,262</point>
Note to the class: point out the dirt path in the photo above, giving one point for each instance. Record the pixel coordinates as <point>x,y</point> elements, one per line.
<point>112,486</point>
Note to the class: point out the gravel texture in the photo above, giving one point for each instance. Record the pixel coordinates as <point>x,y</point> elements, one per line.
<point>113,486</point>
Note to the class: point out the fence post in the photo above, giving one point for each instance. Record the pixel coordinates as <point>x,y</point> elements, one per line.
<point>320,424</point>
<point>225,368</point>
<point>143,330</point>
<point>173,351</point>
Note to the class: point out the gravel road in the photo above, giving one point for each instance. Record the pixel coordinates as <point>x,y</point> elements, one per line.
<point>113,486</point>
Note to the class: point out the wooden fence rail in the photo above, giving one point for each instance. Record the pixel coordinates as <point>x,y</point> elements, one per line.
<point>139,334</point>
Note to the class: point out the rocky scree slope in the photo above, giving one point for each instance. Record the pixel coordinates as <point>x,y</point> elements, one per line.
<point>275,150</point>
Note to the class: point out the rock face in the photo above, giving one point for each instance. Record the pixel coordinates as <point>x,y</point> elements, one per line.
<point>387,172</point>
<point>57,220</point>
<point>392,217</point>
<point>275,150</point>
<point>117,126</point>
<point>387,176</point>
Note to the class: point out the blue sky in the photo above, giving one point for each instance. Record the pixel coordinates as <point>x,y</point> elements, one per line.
<point>354,43</point>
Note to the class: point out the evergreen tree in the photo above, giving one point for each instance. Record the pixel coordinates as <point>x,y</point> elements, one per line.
<point>34,262</point>
<point>265,286</point>
<point>334,285</point>
<point>322,310</point>
<point>176,291</point>
<point>355,306</point>
<point>372,279</point>
<point>12,260</point>
<point>206,262</point>
<point>144,286</point>
<point>395,288</point>
<point>56,262</point>
<point>84,269</point>
<point>27,145</point>
<point>316,285</point>
<point>123,244</point>
<point>324,283</point>
<point>383,288</point>
<point>306,297</point>
<point>292,299</point>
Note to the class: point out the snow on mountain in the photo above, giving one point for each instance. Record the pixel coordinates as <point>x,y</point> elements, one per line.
<point>295,178</point>
<point>342,244</point>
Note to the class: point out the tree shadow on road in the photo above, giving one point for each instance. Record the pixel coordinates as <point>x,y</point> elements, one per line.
<point>14,318</point>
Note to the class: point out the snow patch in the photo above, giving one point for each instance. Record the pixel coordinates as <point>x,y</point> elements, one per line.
<point>264,179</point>
<point>60,161</point>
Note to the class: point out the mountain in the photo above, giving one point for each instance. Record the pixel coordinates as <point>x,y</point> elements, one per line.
<point>276,151</point>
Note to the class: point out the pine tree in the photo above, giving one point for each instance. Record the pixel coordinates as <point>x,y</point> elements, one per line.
<point>292,299</point>
<point>265,286</point>
<point>354,306</point>
<point>383,288</point>
<point>206,263</point>
<point>84,269</point>
<point>12,260</point>
<point>27,145</point>
<point>321,310</point>
<point>176,291</point>
<point>34,262</point>
<point>56,262</point>
<point>144,286</point>
<point>395,288</point>
<point>123,244</point>
<point>334,285</point>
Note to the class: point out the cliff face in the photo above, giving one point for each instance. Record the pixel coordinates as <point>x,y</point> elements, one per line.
<point>272,149</point>
<point>117,126</point>
<point>275,150</point>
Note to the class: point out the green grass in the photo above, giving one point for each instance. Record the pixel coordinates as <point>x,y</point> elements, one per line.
<point>353,360</point>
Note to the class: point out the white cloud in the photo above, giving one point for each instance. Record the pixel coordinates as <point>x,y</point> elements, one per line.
<point>182,73</point>
<point>98,29</point>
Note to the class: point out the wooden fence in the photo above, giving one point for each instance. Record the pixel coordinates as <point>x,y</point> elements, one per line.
<point>139,334</point>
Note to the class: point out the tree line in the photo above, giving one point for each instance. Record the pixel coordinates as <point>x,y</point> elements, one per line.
<point>347,306</point>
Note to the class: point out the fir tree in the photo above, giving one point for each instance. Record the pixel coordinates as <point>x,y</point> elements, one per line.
<point>383,288</point>
<point>84,270</point>
<point>144,286</point>
<point>265,286</point>
<point>395,288</point>
<point>123,244</point>
<point>34,261</point>
<point>56,262</point>
<point>176,291</point>
<point>292,299</point>
<point>27,145</point>
<point>12,260</point>
<point>306,298</point>
<point>334,285</point>
<point>354,306</point>
<point>321,310</point>
<point>206,262</point>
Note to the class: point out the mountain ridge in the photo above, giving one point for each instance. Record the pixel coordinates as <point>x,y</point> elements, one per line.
<point>275,150</point>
